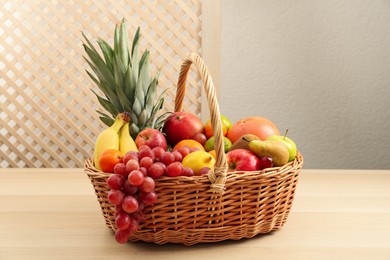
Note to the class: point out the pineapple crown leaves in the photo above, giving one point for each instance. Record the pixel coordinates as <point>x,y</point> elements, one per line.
<point>124,78</point>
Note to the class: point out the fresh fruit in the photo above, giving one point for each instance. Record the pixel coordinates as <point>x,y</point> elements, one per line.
<point>182,125</point>
<point>132,165</point>
<point>108,139</point>
<point>130,204</point>
<point>266,162</point>
<point>209,145</point>
<point>126,142</point>
<point>115,197</point>
<point>197,160</point>
<point>272,148</point>
<point>152,138</point>
<point>243,142</point>
<point>259,126</point>
<point>213,153</point>
<point>189,143</point>
<point>208,130</point>
<point>290,144</point>
<point>130,155</point>
<point>136,178</point>
<point>108,159</point>
<point>242,160</point>
<point>174,169</point>
<point>167,158</point>
<point>200,138</point>
<point>125,80</point>
<point>204,170</point>
<point>156,170</point>
<point>115,181</point>
<point>226,125</point>
<point>122,221</point>
<point>183,150</point>
<point>148,197</point>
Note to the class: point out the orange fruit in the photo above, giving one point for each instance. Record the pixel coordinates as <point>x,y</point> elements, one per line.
<point>208,129</point>
<point>213,153</point>
<point>190,144</point>
<point>108,159</point>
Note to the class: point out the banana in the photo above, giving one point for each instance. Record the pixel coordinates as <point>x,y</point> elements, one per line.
<point>126,143</point>
<point>109,138</point>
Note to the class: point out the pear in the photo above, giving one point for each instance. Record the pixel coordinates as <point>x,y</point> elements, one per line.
<point>272,148</point>
<point>243,142</point>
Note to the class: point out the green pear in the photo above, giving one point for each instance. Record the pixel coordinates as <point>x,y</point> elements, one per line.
<point>272,148</point>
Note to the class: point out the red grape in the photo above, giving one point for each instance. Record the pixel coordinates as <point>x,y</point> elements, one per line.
<point>145,151</point>
<point>177,155</point>
<point>115,181</point>
<point>115,196</point>
<point>156,170</point>
<point>188,172</point>
<point>266,162</point>
<point>167,158</point>
<point>122,221</point>
<point>129,189</point>
<point>120,168</point>
<point>144,171</point>
<point>183,150</point>
<point>174,169</point>
<point>136,178</point>
<point>139,216</point>
<point>158,151</point>
<point>148,198</point>
<point>134,225</point>
<point>130,155</point>
<point>132,165</point>
<point>148,185</point>
<point>146,162</point>
<point>130,204</point>
<point>122,236</point>
<point>204,170</point>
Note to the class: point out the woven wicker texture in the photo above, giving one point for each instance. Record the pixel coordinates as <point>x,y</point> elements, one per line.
<point>223,205</point>
<point>47,113</point>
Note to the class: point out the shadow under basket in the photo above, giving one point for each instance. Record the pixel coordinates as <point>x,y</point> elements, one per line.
<point>221,205</point>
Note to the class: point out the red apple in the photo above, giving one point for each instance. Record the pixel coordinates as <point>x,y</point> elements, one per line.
<point>182,125</point>
<point>242,160</point>
<point>151,138</point>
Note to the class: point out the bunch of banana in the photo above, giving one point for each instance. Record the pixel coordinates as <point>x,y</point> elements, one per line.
<point>117,137</point>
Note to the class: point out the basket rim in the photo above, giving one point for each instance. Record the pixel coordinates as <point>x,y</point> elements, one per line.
<point>230,174</point>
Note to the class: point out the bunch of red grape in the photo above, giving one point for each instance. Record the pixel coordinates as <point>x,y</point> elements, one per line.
<point>132,184</point>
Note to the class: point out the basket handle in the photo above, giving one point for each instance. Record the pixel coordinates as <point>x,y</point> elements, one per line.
<point>217,176</point>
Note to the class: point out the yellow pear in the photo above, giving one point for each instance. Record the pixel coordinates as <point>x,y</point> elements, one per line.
<point>272,148</point>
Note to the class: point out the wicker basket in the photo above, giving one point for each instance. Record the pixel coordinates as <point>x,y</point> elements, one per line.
<point>219,206</point>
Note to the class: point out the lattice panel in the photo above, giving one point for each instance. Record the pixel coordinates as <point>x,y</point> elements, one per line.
<point>47,114</point>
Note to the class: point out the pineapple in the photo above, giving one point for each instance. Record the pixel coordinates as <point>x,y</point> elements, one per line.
<point>125,80</point>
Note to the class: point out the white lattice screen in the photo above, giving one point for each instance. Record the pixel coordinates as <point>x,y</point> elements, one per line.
<point>47,114</point>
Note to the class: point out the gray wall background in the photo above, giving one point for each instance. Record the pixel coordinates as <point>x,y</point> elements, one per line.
<point>319,68</point>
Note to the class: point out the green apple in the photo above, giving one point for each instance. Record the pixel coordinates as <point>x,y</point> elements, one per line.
<point>292,148</point>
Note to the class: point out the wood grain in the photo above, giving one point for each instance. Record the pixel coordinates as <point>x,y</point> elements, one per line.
<point>53,214</point>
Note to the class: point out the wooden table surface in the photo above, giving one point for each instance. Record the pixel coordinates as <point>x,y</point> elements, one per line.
<point>54,214</point>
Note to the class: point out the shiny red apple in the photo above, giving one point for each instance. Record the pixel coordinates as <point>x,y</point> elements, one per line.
<point>182,125</point>
<point>152,138</point>
<point>242,160</point>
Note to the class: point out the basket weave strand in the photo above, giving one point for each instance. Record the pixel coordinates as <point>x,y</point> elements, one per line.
<point>223,205</point>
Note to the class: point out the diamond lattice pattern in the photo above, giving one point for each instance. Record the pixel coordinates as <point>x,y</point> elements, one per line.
<point>47,114</point>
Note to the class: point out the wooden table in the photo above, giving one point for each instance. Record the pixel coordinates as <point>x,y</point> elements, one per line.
<point>54,214</point>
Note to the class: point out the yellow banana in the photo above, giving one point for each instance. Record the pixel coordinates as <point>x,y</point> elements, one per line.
<point>126,143</point>
<point>109,138</point>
